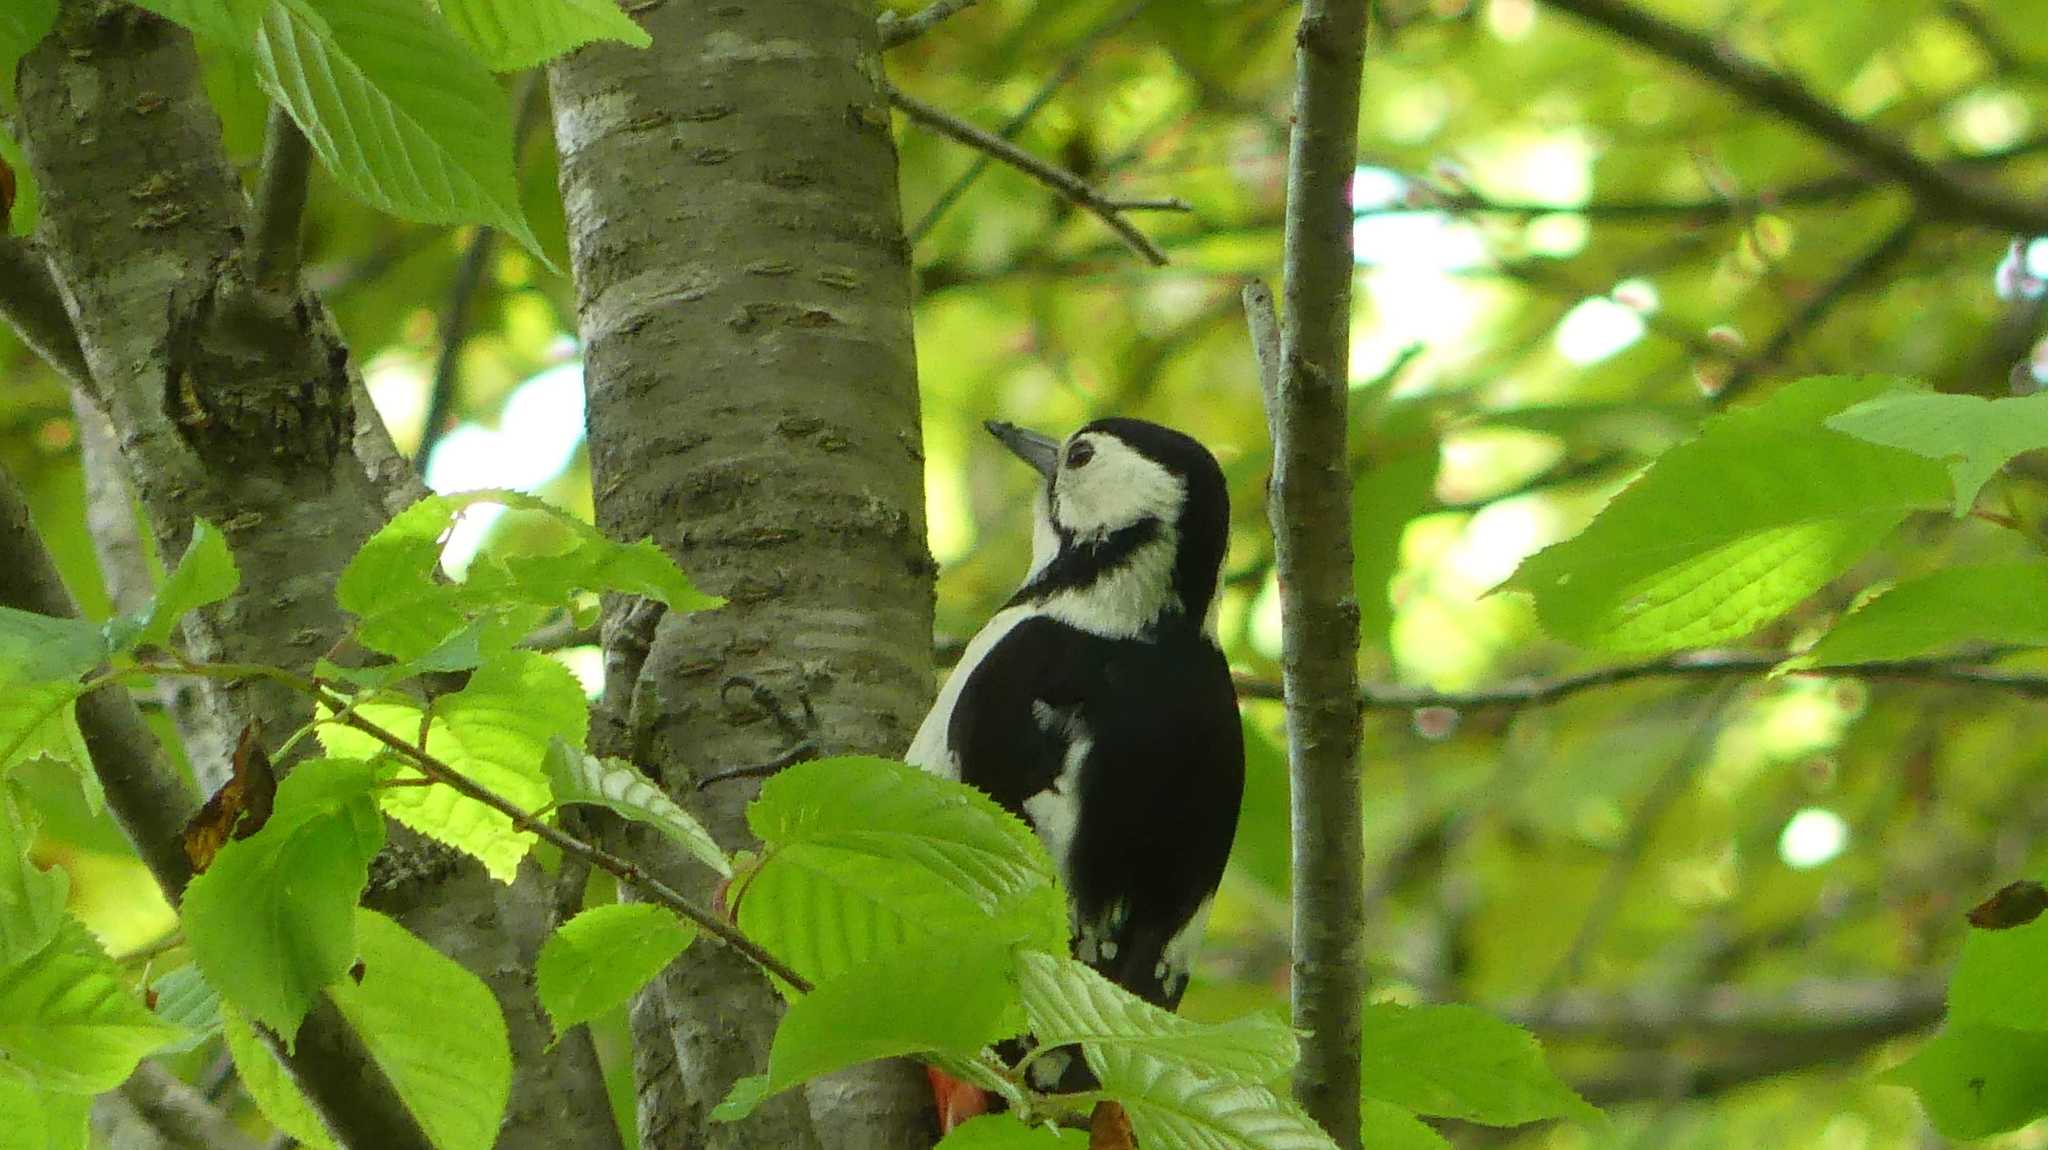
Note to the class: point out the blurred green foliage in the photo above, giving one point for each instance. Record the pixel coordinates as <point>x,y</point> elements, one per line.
<point>1722,910</point>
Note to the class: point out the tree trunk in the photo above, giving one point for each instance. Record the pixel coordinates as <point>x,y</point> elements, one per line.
<point>744,301</point>
<point>237,404</point>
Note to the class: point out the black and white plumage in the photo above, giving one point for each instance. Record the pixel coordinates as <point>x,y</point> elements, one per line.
<point>1096,705</point>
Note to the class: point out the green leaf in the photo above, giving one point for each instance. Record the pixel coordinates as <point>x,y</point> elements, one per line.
<point>23,24</point>
<point>272,921</point>
<point>39,1119</point>
<point>435,1029</point>
<point>267,1082</point>
<point>41,722</point>
<point>1730,530</point>
<point>1386,1126</point>
<point>1973,435</point>
<point>515,34</point>
<point>1977,1080</point>
<point>406,611</point>
<point>1068,1002</point>
<point>953,997</point>
<point>41,649</point>
<point>1171,1105</point>
<point>31,898</point>
<point>1997,981</point>
<point>602,957</point>
<point>1460,1062</point>
<point>228,23</point>
<point>1996,603</point>
<point>397,107</point>
<point>867,854</point>
<point>1008,1132</point>
<point>618,786</point>
<point>68,1023</point>
<point>187,1001</point>
<point>495,732</point>
<point>743,1099</point>
<point>206,575</point>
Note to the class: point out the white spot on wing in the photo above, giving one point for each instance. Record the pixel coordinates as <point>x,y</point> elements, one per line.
<point>1179,956</point>
<point>1055,813</point>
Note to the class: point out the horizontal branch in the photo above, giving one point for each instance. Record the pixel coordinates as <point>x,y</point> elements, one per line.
<point>1696,664</point>
<point>1650,1016</point>
<point>1939,191</point>
<point>1106,208</point>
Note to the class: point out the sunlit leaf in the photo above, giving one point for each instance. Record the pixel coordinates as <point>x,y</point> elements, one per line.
<point>2001,603</point>
<point>31,898</point>
<point>397,107</point>
<point>275,1094</point>
<point>1733,528</point>
<point>1007,1132</point>
<point>206,575</point>
<point>1171,1105</point>
<point>1974,436</point>
<point>435,1028</point>
<point>602,957</point>
<point>68,1023</point>
<point>228,23</point>
<point>1386,1126</point>
<point>38,1119</point>
<point>515,34</point>
<point>1998,982</point>
<point>272,921</point>
<point>187,1001</point>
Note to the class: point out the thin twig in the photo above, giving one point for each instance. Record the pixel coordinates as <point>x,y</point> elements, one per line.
<point>1057,79</point>
<point>280,203</point>
<point>897,30</point>
<point>1965,671</point>
<point>1939,191</point>
<point>1059,179</point>
<point>624,870</point>
<point>181,1113</point>
<point>441,397</point>
<point>1815,311</point>
<point>32,306</point>
<point>1307,395</point>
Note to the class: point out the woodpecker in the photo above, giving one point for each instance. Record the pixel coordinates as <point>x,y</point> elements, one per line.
<point>1096,705</point>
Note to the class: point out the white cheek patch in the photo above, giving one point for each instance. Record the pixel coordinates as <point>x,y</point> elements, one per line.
<point>1116,488</point>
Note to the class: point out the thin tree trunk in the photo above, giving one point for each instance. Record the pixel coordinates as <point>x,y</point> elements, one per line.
<point>1306,394</point>
<point>744,302</point>
<point>235,403</point>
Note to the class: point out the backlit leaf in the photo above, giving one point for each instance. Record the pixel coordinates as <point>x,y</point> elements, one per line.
<point>1733,528</point>
<point>68,1023</point>
<point>206,575</point>
<point>515,34</point>
<point>1978,1079</point>
<point>618,786</point>
<point>1974,436</point>
<point>1068,1002</point>
<point>272,921</point>
<point>397,107</point>
<point>2002,603</point>
<point>1171,1105</point>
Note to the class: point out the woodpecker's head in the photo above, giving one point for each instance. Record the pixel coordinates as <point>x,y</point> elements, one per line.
<point>1131,524</point>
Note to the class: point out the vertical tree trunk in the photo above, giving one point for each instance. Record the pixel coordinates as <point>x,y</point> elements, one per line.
<point>744,301</point>
<point>1306,401</point>
<point>234,402</point>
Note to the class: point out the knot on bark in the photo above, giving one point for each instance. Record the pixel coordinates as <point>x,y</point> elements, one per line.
<point>253,382</point>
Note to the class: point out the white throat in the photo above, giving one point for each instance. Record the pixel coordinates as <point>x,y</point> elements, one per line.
<point>1125,602</point>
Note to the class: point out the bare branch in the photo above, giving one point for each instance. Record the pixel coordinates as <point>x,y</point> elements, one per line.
<point>1940,192</point>
<point>1059,179</point>
<point>1307,392</point>
<point>1867,268</point>
<point>897,30</point>
<point>30,304</point>
<point>1963,671</point>
<point>180,1113</point>
<point>280,206</point>
<point>1053,82</point>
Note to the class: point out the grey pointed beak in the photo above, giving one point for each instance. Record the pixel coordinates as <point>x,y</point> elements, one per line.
<point>1041,452</point>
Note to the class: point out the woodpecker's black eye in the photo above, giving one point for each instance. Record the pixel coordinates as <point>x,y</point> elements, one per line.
<point>1079,454</point>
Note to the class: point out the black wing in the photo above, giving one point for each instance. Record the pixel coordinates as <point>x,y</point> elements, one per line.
<point>1127,758</point>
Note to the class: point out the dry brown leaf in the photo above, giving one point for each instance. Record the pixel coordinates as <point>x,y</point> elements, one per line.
<point>239,808</point>
<point>2015,904</point>
<point>1109,1128</point>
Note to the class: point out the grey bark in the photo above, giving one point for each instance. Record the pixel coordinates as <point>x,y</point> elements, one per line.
<point>237,403</point>
<point>1306,393</point>
<point>744,302</point>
